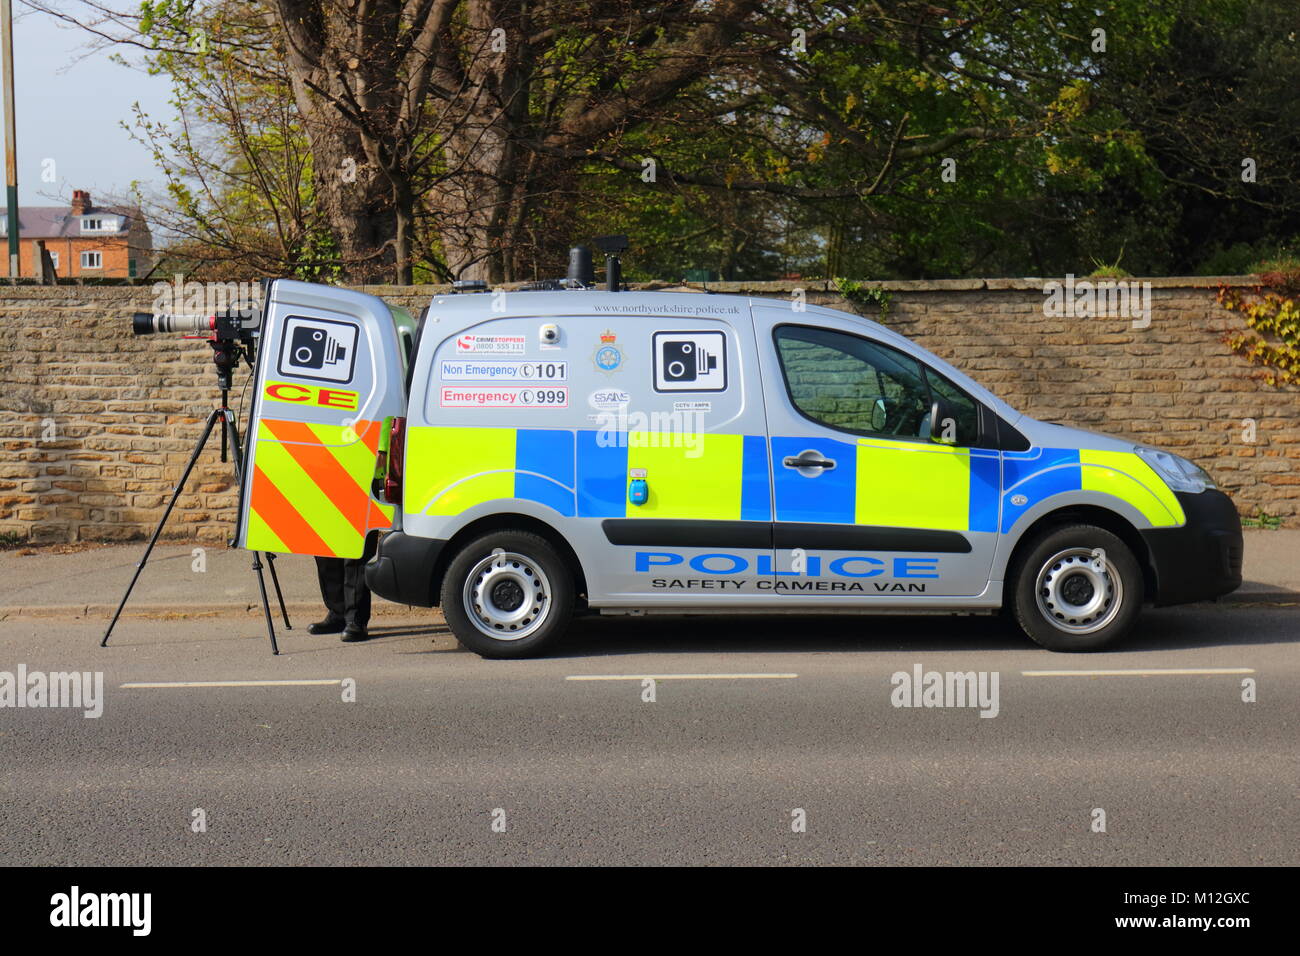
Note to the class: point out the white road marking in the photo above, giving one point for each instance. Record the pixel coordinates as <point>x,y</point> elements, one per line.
<point>681,676</point>
<point>1165,672</point>
<point>232,683</point>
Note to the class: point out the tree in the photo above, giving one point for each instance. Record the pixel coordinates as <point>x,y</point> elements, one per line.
<point>238,169</point>
<point>475,137</point>
<point>1216,110</point>
<point>856,127</point>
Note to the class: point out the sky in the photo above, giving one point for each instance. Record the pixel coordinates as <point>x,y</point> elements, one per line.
<point>70,108</point>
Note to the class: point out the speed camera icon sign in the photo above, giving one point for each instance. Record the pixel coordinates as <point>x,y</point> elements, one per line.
<point>690,361</point>
<point>320,349</point>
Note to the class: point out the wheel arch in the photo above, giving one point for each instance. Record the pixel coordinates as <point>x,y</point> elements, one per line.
<point>1096,515</point>
<point>509,521</point>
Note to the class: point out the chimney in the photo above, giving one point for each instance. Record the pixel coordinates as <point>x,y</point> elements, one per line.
<point>80,202</point>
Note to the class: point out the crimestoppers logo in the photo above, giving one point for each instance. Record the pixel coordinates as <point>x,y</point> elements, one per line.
<point>946,689</point>
<point>75,909</point>
<point>78,690</point>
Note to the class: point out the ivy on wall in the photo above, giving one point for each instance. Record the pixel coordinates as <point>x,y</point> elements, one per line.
<point>865,296</point>
<point>1273,311</point>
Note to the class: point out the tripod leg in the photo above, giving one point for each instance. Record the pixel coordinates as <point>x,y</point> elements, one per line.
<point>231,433</point>
<point>176,493</point>
<point>266,606</point>
<point>275,582</point>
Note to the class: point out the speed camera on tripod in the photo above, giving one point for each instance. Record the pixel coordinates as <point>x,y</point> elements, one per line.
<point>233,336</point>
<point>227,324</point>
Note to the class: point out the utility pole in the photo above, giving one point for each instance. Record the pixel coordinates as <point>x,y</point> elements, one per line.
<point>11,136</point>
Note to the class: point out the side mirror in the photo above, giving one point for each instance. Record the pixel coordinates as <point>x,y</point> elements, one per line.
<point>879,415</point>
<point>943,423</point>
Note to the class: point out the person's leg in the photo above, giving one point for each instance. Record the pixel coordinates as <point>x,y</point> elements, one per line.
<point>356,594</point>
<point>331,573</point>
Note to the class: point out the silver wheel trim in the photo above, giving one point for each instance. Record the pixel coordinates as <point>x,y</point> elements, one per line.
<point>480,594</point>
<point>1053,586</point>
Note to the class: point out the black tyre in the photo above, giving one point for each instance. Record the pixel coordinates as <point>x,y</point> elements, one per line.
<point>1076,588</point>
<point>508,594</point>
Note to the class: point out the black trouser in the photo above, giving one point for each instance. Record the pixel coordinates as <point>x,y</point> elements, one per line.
<point>343,586</point>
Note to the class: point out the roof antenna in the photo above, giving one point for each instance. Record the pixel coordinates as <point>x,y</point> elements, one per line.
<point>613,247</point>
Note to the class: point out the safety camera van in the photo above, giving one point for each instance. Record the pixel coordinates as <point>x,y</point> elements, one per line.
<point>572,451</point>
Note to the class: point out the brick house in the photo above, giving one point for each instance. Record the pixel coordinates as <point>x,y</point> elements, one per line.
<point>82,239</point>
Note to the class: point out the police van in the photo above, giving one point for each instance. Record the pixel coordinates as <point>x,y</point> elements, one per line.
<point>553,453</point>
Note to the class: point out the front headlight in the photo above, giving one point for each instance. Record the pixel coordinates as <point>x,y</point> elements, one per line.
<point>1179,473</point>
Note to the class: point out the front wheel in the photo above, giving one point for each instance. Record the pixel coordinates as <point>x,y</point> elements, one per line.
<point>508,594</point>
<point>1077,588</point>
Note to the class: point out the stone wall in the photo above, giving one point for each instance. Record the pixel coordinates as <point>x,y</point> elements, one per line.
<point>96,425</point>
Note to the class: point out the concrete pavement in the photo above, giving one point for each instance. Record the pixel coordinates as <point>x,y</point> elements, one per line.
<point>60,581</point>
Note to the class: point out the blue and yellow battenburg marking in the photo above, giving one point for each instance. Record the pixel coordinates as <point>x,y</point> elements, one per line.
<point>1032,476</point>
<point>585,473</point>
<point>889,484</point>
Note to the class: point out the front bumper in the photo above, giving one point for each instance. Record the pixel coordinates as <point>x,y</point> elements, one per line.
<point>403,567</point>
<point>1202,559</point>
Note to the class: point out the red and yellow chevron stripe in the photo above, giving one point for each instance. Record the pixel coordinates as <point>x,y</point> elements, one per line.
<point>310,491</point>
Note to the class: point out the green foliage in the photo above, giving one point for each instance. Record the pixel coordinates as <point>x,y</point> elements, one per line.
<point>856,129</point>
<point>815,163</point>
<point>1257,258</point>
<point>1263,521</point>
<point>1279,262</point>
<point>1110,270</point>
<point>237,166</point>
<point>865,296</point>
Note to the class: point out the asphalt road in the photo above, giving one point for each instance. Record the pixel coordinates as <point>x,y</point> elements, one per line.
<point>710,772</point>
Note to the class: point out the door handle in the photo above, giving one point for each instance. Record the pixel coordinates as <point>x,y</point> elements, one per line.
<point>809,462</point>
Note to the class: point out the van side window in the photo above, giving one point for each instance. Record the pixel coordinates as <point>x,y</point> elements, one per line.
<point>852,384</point>
<point>963,407</point>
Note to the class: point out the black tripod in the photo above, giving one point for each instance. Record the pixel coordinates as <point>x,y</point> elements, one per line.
<point>226,353</point>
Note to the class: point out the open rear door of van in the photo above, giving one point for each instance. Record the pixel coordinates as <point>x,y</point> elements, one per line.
<point>328,375</point>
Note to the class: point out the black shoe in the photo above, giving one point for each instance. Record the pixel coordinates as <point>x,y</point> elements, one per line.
<point>331,625</point>
<point>352,634</point>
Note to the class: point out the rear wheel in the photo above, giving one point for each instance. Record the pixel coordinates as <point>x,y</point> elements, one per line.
<point>1077,588</point>
<point>508,594</point>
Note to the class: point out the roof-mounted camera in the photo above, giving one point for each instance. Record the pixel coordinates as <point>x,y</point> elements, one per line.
<point>581,273</point>
<point>613,247</point>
